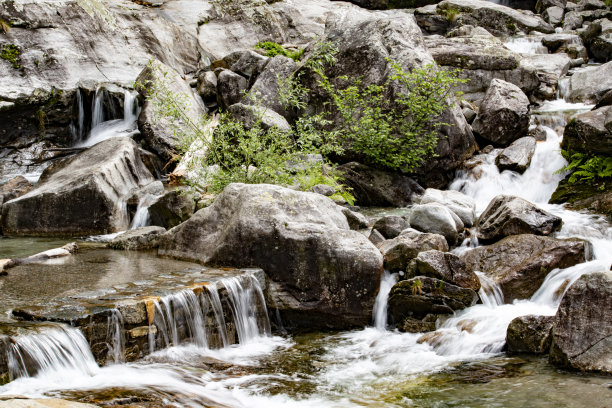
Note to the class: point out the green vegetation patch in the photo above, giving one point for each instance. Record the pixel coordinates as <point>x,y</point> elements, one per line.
<point>273,49</point>
<point>11,53</point>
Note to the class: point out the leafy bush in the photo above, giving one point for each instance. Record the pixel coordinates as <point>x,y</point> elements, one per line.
<point>587,168</point>
<point>273,49</point>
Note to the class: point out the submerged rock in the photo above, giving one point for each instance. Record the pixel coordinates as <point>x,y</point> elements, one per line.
<point>399,251</point>
<point>138,239</point>
<point>510,215</point>
<point>529,334</point>
<point>504,114</point>
<point>520,263</point>
<point>582,334</point>
<point>517,156</point>
<point>323,275</point>
<point>86,195</point>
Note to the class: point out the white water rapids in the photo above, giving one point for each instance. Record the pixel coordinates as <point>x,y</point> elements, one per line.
<point>357,368</point>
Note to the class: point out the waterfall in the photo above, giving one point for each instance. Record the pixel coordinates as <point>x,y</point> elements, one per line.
<point>78,129</point>
<point>142,217</point>
<point>379,314</point>
<point>490,292</point>
<point>97,107</point>
<point>116,337</point>
<point>53,349</point>
<point>248,307</point>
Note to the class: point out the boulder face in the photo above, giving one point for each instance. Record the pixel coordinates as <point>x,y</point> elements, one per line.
<point>590,132</point>
<point>509,215</point>
<point>86,195</point>
<point>462,205</point>
<point>582,334</point>
<point>322,274</point>
<point>157,132</point>
<point>529,334</point>
<point>517,156</point>
<point>138,239</point>
<point>367,43</point>
<point>391,226</point>
<point>378,188</point>
<point>399,251</point>
<point>520,263</point>
<point>503,115</point>
<point>267,85</point>
<point>436,219</point>
<point>591,84</point>
<point>447,267</point>
<point>172,208</point>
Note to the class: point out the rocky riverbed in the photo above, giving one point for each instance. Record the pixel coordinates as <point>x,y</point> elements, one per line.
<point>482,277</point>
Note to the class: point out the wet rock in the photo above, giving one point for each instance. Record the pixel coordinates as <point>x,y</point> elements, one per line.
<point>436,219</point>
<point>172,208</point>
<point>355,219</point>
<point>323,275</point>
<point>447,267</point>
<point>599,42</point>
<point>559,41</point>
<point>14,188</point>
<point>84,196</point>
<point>510,215</point>
<point>520,263</point>
<point>422,296</point>
<point>590,132</point>
<point>266,117</point>
<point>366,41</point>
<point>157,133</point>
<point>529,334</point>
<point>412,325</point>
<point>138,239</point>
<point>517,156</point>
<point>549,69</point>
<point>585,5</point>
<point>497,19</point>
<point>459,203</point>
<point>553,15</point>
<point>606,100</point>
<point>583,195</point>
<point>41,257</point>
<point>267,85</point>
<point>230,88</point>
<point>591,84</point>
<point>373,187</point>
<point>504,114</point>
<point>538,133</point>
<point>399,251</point>
<point>24,402</point>
<point>582,333</point>
<point>391,226</point>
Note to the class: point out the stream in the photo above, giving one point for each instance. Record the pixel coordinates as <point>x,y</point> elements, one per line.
<point>461,364</point>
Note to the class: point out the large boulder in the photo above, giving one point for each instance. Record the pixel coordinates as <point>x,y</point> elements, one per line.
<point>138,239</point>
<point>268,84</point>
<point>462,205</point>
<point>172,208</point>
<point>368,43</point>
<point>591,84</point>
<point>230,88</point>
<point>447,267</point>
<point>582,333</point>
<point>504,114</point>
<point>517,156</point>
<point>510,215</point>
<point>496,18</point>
<point>436,219</point>
<point>322,274</point>
<point>399,251</point>
<point>422,297</point>
<point>157,131</point>
<point>530,334</point>
<point>590,132</point>
<point>378,188</point>
<point>86,195</point>
<point>520,263</point>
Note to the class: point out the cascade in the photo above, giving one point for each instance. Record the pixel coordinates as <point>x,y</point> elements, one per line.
<point>379,312</point>
<point>142,217</point>
<point>116,337</point>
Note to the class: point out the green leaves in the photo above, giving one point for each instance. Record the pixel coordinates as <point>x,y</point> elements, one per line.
<point>587,168</point>
<point>273,49</point>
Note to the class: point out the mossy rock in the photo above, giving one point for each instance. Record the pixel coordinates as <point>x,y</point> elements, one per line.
<point>596,197</point>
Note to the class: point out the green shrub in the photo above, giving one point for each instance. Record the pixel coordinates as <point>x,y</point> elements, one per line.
<point>273,49</point>
<point>587,168</point>
<point>11,53</point>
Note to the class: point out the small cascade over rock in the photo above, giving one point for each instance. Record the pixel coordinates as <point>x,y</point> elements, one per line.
<point>379,313</point>
<point>57,348</point>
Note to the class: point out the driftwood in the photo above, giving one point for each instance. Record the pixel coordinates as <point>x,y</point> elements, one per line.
<point>66,250</point>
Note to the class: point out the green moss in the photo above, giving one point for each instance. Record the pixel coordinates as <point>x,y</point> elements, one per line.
<point>511,26</point>
<point>11,53</point>
<point>273,49</point>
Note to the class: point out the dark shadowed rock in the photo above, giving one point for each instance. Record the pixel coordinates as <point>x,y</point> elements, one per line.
<point>87,195</point>
<point>510,215</point>
<point>529,334</point>
<point>391,226</point>
<point>356,220</point>
<point>14,188</point>
<point>504,114</point>
<point>372,187</point>
<point>520,263</point>
<point>138,239</point>
<point>230,88</point>
<point>207,86</point>
<point>172,208</point>
<point>590,132</point>
<point>323,275</point>
<point>447,267</point>
<point>267,85</point>
<point>582,333</point>
<point>517,156</point>
<point>422,296</point>
<point>399,251</point>
<point>376,237</point>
